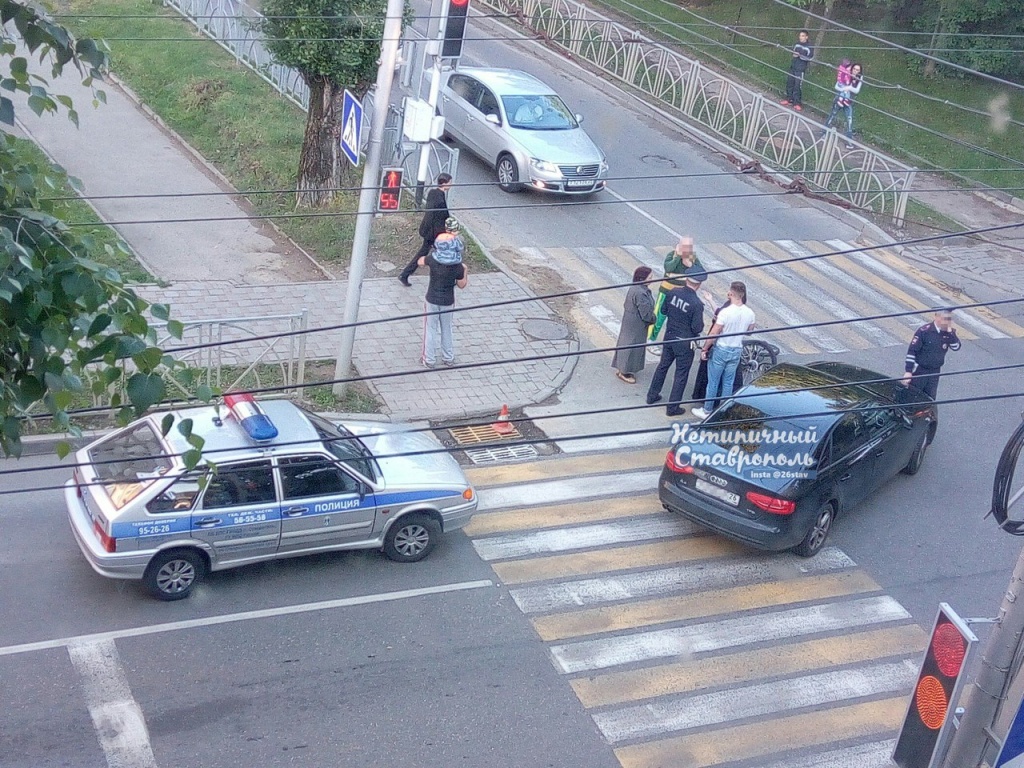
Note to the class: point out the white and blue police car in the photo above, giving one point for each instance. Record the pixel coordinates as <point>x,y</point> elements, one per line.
<point>275,481</point>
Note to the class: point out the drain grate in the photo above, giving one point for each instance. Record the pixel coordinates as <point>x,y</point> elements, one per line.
<point>485,433</point>
<point>502,453</point>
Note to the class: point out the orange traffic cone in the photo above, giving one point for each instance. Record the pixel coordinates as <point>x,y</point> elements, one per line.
<point>503,426</point>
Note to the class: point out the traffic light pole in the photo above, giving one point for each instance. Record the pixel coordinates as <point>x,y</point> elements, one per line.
<point>367,192</point>
<point>439,7</point>
<point>969,744</point>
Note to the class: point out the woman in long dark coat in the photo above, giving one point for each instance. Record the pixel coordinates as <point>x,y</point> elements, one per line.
<point>637,317</point>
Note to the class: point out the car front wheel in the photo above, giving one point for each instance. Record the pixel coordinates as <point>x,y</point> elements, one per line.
<point>172,575</point>
<point>917,458</point>
<point>411,539</point>
<point>815,538</point>
<point>508,174</point>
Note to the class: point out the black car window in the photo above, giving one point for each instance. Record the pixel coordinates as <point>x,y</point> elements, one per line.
<point>849,434</point>
<point>303,477</point>
<point>879,419</point>
<point>179,496</point>
<point>466,87</point>
<point>487,103</point>
<point>239,485</point>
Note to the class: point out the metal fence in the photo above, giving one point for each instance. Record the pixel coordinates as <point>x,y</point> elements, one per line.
<point>744,118</point>
<point>234,25</point>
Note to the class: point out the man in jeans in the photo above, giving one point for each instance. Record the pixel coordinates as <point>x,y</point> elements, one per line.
<point>445,276</point>
<point>724,345</point>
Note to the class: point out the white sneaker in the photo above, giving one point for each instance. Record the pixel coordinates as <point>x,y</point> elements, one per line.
<point>700,413</point>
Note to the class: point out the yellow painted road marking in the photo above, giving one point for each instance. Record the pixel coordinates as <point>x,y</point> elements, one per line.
<point>615,559</point>
<point>574,466</point>
<point>741,742</point>
<point>984,314</point>
<point>819,281</point>
<point>759,277</point>
<point>854,269</point>
<point>558,515</point>
<point>748,597</point>
<point>690,676</point>
<point>622,258</point>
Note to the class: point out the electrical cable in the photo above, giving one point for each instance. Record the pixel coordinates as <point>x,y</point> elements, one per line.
<point>596,435</point>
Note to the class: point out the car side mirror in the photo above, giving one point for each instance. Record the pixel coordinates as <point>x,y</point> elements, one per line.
<point>579,118</point>
<point>493,119</point>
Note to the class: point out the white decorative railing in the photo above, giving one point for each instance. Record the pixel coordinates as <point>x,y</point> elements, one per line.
<point>734,113</point>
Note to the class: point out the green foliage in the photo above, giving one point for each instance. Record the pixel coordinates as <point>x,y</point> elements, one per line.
<point>334,40</point>
<point>65,318</point>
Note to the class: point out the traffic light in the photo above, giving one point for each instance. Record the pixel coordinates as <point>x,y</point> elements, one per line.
<point>454,29</point>
<point>935,693</point>
<point>390,196</point>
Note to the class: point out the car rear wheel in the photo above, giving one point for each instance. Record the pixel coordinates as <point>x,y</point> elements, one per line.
<point>508,174</point>
<point>412,538</point>
<point>917,458</point>
<point>815,538</point>
<point>172,575</point>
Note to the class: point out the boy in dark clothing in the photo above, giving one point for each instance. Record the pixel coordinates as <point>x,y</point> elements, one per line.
<point>685,321</point>
<point>431,226</point>
<point>803,52</point>
<point>927,353</point>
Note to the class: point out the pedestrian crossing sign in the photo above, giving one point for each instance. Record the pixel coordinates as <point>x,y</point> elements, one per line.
<point>351,127</point>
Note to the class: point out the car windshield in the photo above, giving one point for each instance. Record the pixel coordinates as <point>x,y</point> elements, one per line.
<point>538,113</point>
<point>345,446</point>
<point>129,461</point>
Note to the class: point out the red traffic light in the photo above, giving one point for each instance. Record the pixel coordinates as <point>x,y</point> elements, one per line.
<point>454,29</point>
<point>390,197</point>
<point>935,693</point>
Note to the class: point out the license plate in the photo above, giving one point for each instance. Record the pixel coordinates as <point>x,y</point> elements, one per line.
<point>577,183</point>
<point>719,493</point>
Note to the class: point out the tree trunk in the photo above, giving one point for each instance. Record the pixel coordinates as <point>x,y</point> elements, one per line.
<point>319,170</point>
<point>827,11</point>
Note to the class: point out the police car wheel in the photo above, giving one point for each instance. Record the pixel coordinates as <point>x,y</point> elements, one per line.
<point>172,575</point>
<point>412,538</point>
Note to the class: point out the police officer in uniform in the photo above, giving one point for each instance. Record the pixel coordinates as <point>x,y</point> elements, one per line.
<point>927,352</point>
<point>684,313</point>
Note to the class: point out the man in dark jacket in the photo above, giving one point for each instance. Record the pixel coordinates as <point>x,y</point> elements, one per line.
<point>685,321</point>
<point>431,226</point>
<point>927,353</point>
<point>803,52</point>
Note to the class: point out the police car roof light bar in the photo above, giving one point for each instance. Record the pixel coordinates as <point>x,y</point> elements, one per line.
<point>252,418</point>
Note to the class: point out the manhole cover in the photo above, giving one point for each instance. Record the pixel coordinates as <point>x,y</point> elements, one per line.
<point>659,161</point>
<point>503,453</point>
<point>541,329</point>
<point>485,433</point>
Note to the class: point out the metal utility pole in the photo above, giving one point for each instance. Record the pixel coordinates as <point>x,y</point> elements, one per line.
<point>367,193</point>
<point>1000,661</point>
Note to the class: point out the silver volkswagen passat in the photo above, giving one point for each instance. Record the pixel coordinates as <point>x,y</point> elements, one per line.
<point>295,485</point>
<point>522,129</point>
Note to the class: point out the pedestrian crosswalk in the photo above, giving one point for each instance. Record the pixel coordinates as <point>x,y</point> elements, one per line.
<point>849,284</point>
<point>688,650</point>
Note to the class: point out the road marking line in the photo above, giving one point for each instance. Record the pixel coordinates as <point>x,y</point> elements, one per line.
<point>657,222</point>
<point>687,641</point>
<point>809,299</point>
<point>876,754</point>
<point>780,314</point>
<point>561,515</point>
<point>567,489</point>
<point>264,613</point>
<point>710,748</point>
<point>774,697</point>
<point>608,319</point>
<point>624,259</point>
<point>715,671</point>
<point>572,466</point>
<point>117,717</point>
<point>582,537</point>
<point>747,569</point>
<point>616,559</point>
<point>870,333</point>
<point>701,605</point>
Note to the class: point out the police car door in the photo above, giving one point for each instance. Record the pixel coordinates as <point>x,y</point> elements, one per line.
<point>322,505</point>
<point>238,515</point>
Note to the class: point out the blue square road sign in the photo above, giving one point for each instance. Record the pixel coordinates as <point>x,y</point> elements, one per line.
<point>351,127</point>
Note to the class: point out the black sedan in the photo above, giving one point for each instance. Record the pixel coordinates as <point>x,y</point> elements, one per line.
<point>773,466</point>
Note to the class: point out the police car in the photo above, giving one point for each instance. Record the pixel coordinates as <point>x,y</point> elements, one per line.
<point>275,481</point>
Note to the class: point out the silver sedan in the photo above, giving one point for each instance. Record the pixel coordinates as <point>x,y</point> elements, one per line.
<point>520,127</point>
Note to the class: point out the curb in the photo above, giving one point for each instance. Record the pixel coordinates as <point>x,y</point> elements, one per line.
<point>198,157</point>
